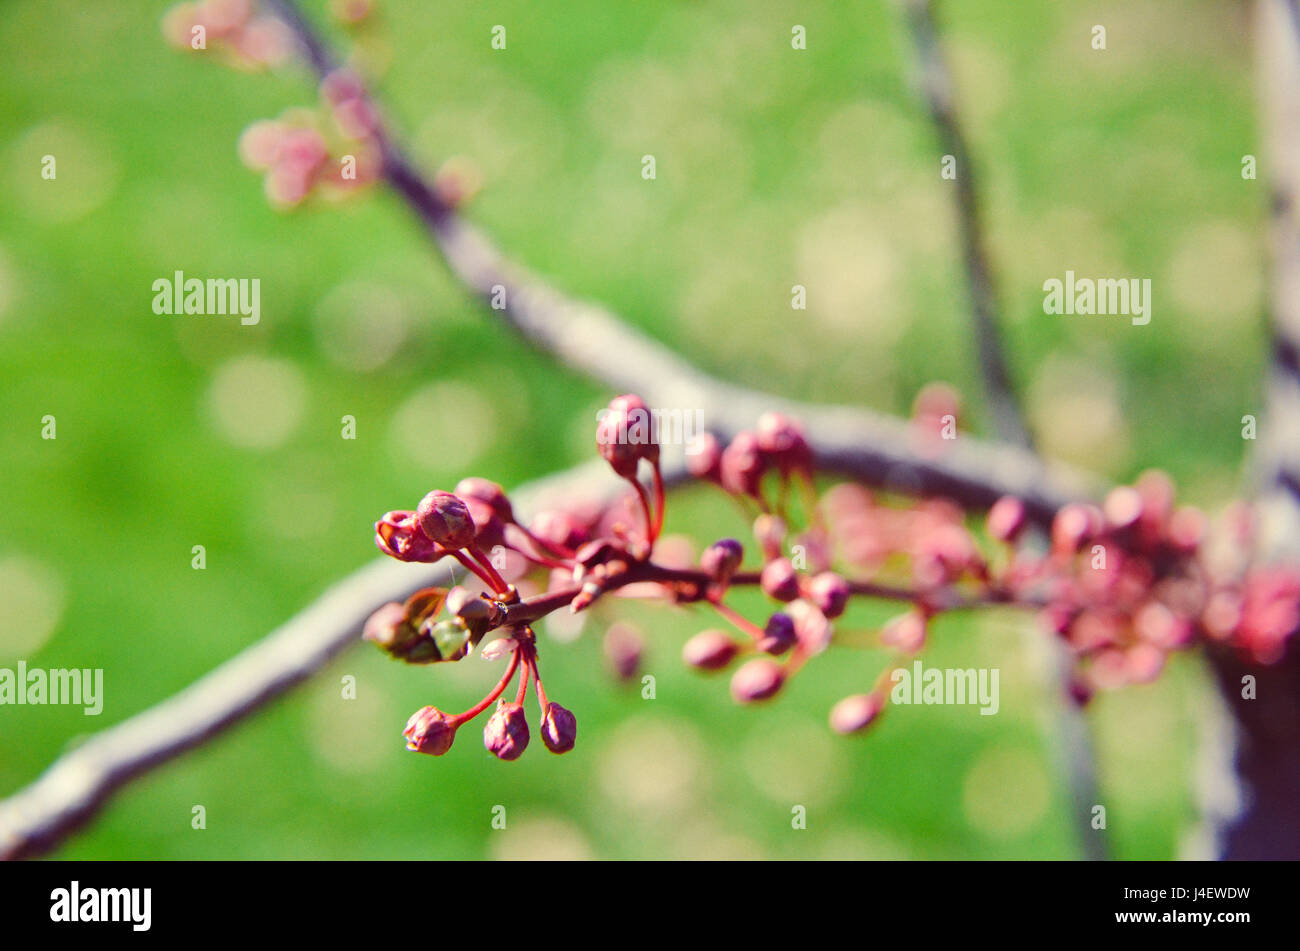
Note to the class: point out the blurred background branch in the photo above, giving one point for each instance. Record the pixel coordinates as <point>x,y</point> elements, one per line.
<point>936,85</point>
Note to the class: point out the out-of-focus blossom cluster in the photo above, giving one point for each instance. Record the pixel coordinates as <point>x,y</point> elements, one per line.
<point>233,29</point>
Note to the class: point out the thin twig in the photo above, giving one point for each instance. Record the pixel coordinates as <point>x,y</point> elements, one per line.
<point>936,84</point>
<point>1074,748</point>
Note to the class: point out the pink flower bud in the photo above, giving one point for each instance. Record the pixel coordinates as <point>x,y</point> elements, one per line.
<point>623,648</point>
<point>1187,529</point>
<point>559,728</point>
<point>905,633</point>
<point>1158,625</point>
<point>709,650</point>
<point>1157,492</point>
<point>1075,524</point>
<point>783,440</point>
<point>399,535</point>
<point>625,435</point>
<point>1143,663</point>
<point>811,627</point>
<point>429,731</point>
<point>742,465</point>
<point>778,635</point>
<point>259,144</point>
<point>769,532</point>
<point>829,593</point>
<point>489,493</point>
<point>559,528</point>
<point>704,457</point>
<point>223,17</point>
<point>722,559</point>
<point>856,712</point>
<point>390,629</point>
<point>779,580</point>
<point>446,520</point>
<point>1007,519</point>
<point>498,648</point>
<point>759,679</point>
<point>505,735</point>
<point>1122,508</point>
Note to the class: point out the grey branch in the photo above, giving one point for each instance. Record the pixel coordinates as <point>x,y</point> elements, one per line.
<point>588,338</point>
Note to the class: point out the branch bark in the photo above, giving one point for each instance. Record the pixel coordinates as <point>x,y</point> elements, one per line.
<point>1268,724</point>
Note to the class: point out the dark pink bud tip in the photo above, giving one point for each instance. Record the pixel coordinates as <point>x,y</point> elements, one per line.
<point>506,732</point>
<point>857,712</point>
<point>625,434</point>
<point>399,535</point>
<point>429,731</point>
<point>722,559</point>
<point>779,635</point>
<point>709,650</point>
<point>779,580</point>
<point>1007,519</point>
<point>829,593</point>
<point>559,728</point>
<point>446,520</point>
<point>783,440</point>
<point>757,680</point>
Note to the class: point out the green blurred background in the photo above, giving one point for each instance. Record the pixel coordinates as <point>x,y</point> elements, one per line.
<point>775,167</point>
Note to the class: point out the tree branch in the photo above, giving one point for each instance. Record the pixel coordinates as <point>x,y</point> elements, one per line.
<point>872,448</point>
<point>588,338</point>
<point>38,817</point>
<point>1268,722</point>
<point>936,85</point>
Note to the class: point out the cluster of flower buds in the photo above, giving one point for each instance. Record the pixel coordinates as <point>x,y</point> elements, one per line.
<point>1128,582</point>
<point>506,733</point>
<point>333,151</point>
<point>1122,584</point>
<point>245,38</point>
<point>776,445</point>
<point>305,152</point>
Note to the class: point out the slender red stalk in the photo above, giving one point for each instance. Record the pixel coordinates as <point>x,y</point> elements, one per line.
<point>660,504</point>
<point>498,583</point>
<point>475,569</point>
<point>483,704</point>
